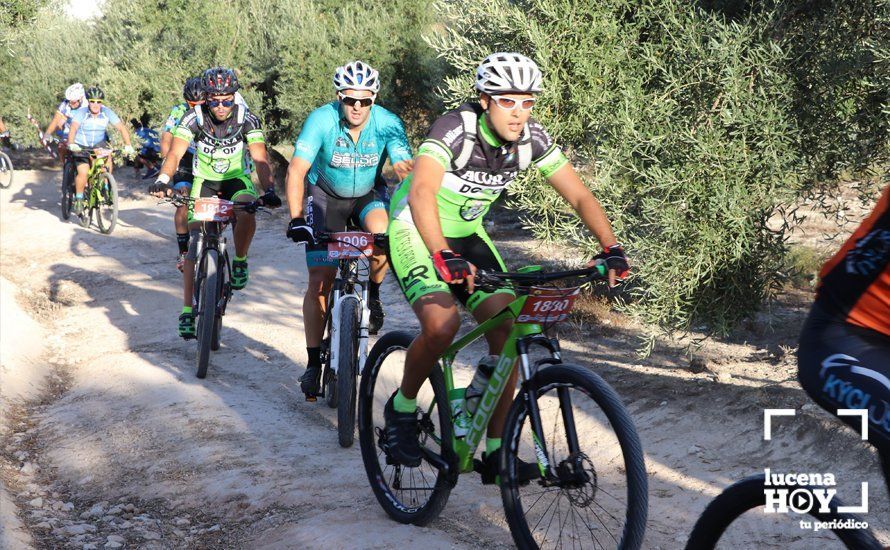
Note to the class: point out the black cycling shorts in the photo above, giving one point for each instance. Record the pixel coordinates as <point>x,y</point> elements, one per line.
<point>329,214</point>
<point>844,366</point>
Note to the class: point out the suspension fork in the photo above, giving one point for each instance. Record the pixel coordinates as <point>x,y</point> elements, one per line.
<point>528,392</point>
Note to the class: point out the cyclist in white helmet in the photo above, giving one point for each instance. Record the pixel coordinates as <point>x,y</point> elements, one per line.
<point>61,123</point>
<point>337,163</point>
<point>437,239</point>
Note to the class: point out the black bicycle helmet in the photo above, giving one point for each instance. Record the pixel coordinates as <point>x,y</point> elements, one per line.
<point>220,81</point>
<point>95,92</point>
<point>193,90</point>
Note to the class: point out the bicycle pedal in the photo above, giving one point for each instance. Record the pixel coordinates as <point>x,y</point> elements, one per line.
<point>311,398</point>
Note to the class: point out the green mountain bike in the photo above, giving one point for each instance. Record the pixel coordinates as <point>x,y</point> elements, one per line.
<point>100,193</point>
<point>592,488</point>
<point>6,171</point>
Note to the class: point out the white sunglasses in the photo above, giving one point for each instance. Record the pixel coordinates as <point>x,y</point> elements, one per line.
<point>511,104</point>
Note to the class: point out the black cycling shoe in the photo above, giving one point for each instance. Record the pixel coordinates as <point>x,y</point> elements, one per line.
<point>377,315</point>
<point>402,444</point>
<point>488,469</point>
<point>309,382</point>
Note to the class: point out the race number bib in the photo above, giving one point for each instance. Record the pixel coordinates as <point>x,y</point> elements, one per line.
<point>548,305</point>
<point>350,244</point>
<point>212,209</point>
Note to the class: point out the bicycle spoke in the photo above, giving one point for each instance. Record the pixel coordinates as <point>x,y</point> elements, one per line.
<point>583,522</point>
<point>553,515</point>
<point>601,523</point>
<point>535,528</point>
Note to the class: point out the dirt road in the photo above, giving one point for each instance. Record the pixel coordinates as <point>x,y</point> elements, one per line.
<point>110,441</point>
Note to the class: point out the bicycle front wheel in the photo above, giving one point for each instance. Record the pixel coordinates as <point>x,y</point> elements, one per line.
<point>67,189</point>
<point>347,371</point>
<point>106,203</point>
<point>746,499</point>
<point>206,309</point>
<point>222,293</point>
<point>6,171</point>
<point>86,215</point>
<point>408,495</point>
<point>595,494</point>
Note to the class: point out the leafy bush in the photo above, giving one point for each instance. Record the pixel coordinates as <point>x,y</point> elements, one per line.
<point>687,124</point>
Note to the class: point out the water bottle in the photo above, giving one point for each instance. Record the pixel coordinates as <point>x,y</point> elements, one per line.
<point>474,391</point>
<point>460,421</point>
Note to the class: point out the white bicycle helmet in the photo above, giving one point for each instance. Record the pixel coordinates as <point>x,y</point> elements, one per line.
<point>74,92</point>
<point>505,72</point>
<point>357,75</point>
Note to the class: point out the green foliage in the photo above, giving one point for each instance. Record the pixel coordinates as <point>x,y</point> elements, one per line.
<point>690,127</point>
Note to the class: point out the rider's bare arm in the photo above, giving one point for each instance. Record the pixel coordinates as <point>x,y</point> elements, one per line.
<point>125,133</point>
<point>569,185</point>
<point>166,143</point>
<point>261,161</point>
<point>171,161</point>
<point>57,122</point>
<point>427,180</point>
<point>295,185</point>
<point>72,131</point>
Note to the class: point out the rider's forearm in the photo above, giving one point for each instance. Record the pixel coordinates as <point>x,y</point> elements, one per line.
<point>125,134</point>
<point>295,189</point>
<point>171,161</point>
<point>425,212</point>
<point>166,141</point>
<point>594,217</point>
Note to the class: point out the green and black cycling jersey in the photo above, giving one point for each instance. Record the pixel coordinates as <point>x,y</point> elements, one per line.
<point>220,146</point>
<point>173,120</point>
<point>467,191</point>
<point>479,166</point>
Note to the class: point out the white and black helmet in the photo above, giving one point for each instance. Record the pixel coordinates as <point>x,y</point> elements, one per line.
<point>505,72</point>
<point>74,92</point>
<point>357,75</point>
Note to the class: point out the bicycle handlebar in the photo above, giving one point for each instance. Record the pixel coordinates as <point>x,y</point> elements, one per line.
<point>493,280</point>
<point>249,207</point>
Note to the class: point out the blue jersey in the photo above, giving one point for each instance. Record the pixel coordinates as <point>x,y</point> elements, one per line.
<point>66,110</point>
<point>93,128</point>
<point>342,167</point>
<point>150,141</point>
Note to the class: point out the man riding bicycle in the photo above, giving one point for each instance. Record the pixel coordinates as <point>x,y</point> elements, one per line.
<point>844,353</point>
<point>342,146</point>
<point>193,94</point>
<point>89,129</point>
<point>437,240</point>
<point>221,131</point>
<point>60,126</point>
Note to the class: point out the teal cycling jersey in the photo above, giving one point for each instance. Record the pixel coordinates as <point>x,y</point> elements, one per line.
<point>173,120</point>
<point>342,167</point>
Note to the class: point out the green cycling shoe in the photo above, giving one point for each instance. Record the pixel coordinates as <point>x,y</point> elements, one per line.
<point>240,274</point>
<point>187,326</point>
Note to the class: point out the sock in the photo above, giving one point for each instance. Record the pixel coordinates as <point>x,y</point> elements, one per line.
<point>240,258</point>
<point>78,196</point>
<point>374,290</point>
<point>492,444</point>
<point>182,239</point>
<point>314,356</point>
<point>402,404</point>
<point>186,309</point>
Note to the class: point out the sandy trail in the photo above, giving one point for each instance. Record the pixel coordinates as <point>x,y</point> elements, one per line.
<point>241,460</point>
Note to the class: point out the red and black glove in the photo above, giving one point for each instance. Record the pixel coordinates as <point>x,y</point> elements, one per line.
<point>451,266</point>
<point>615,259</point>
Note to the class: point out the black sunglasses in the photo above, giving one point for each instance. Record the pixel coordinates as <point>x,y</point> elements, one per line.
<point>217,102</point>
<point>350,101</point>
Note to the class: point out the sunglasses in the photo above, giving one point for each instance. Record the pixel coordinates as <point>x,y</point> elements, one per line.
<point>217,102</point>
<point>350,101</point>
<point>511,104</point>
<point>99,101</point>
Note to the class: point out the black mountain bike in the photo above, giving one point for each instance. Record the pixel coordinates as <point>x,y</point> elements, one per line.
<point>213,270</point>
<point>345,343</point>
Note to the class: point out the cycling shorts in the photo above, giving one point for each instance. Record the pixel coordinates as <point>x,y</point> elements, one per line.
<point>844,366</point>
<point>83,157</point>
<point>229,190</point>
<point>414,270</point>
<point>325,213</point>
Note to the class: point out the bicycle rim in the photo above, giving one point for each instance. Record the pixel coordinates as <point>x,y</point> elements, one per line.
<point>346,372</point>
<point>598,499</point>
<point>87,214</point>
<point>408,495</point>
<point>206,310</point>
<point>6,171</point>
<point>106,203</point>
<point>221,293</point>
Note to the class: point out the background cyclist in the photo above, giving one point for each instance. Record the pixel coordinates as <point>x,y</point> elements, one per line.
<point>342,147</point>
<point>193,94</point>
<point>222,133</point>
<point>89,129</point>
<point>60,124</point>
<point>437,239</point>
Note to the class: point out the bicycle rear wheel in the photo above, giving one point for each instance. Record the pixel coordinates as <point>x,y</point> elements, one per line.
<point>67,189</point>
<point>598,497</point>
<point>6,171</point>
<point>748,495</point>
<point>347,365</point>
<point>106,203</point>
<point>408,495</point>
<point>206,309</point>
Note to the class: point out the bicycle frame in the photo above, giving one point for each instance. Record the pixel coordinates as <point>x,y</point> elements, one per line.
<point>345,288</point>
<point>211,238</point>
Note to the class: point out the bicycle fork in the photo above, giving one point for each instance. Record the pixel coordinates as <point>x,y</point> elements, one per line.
<point>362,302</point>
